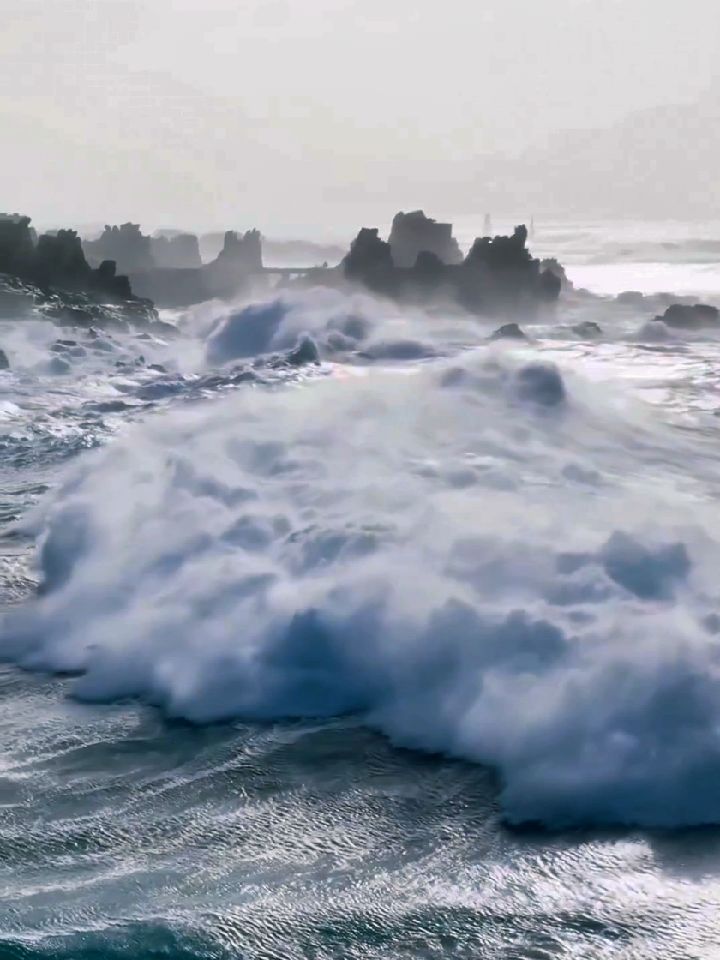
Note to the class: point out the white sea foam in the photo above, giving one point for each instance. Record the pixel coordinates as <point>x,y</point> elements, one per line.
<point>491,558</point>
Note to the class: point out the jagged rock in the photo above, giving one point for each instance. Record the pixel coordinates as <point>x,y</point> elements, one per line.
<point>553,266</point>
<point>239,262</point>
<point>550,286</point>
<point>126,245</point>
<point>17,243</point>
<point>509,331</point>
<point>242,251</point>
<point>4,362</point>
<point>240,257</point>
<point>370,262</point>
<point>306,352</point>
<point>53,276</point>
<point>413,234</point>
<point>694,316</point>
<point>499,275</point>
<point>588,329</point>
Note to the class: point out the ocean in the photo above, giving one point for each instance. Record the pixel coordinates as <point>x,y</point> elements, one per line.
<point>409,654</point>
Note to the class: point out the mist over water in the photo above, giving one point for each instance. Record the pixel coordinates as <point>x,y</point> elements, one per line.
<point>345,595</point>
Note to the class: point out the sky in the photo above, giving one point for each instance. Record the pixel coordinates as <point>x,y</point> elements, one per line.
<point>308,117</point>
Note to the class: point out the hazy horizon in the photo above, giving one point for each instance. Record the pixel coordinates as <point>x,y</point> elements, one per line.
<point>308,121</point>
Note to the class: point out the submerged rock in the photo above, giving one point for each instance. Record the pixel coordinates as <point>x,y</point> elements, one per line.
<point>696,316</point>
<point>509,331</point>
<point>306,352</point>
<point>540,384</point>
<point>588,329</point>
<point>630,298</point>
<point>58,366</point>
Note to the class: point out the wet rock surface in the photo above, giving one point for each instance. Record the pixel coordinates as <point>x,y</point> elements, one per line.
<point>50,276</point>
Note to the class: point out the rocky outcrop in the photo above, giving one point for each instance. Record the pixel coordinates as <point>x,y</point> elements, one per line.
<point>498,276</point>
<point>73,308</point>
<point>240,257</point>
<point>4,362</point>
<point>51,274</point>
<point>413,234</point>
<point>695,316</point>
<point>509,331</point>
<point>587,329</point>
<point>230,274</point>
<point>126,245</point>
<point>551,265</point>
<point>370,262</point>
<point>56,260</point>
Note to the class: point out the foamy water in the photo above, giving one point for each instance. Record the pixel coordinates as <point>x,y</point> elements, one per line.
<point>269,580</point>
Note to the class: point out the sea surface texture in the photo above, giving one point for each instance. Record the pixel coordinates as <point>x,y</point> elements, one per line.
<point>413,652</point>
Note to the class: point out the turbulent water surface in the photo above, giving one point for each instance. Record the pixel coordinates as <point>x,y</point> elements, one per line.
<point>409,653</point>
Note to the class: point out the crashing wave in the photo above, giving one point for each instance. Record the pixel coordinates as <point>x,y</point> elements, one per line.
<point>489,559</point>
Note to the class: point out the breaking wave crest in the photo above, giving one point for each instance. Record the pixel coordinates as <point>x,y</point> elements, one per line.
<point>490,558</point>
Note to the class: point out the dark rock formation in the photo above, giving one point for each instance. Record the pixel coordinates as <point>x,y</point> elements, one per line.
<point>694,316</point>
<point>370,262</point>
<point>52,275</point>
<point>4,362</point>
<point>553,266</point>
<point>498,276</point>
<point>540,384</point>
<point>56,260</point>
<point>239,257</point>
<point>178,252</point>
<point>17,242</point>
<point>509,331</point>
<point>304,353</point>
<point>588,329</point>
<point>414,233</point>
<point>126,245</point>
<point>230,274</point>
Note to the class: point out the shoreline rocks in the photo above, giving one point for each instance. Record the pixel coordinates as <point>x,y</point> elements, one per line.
<point>50,277</point>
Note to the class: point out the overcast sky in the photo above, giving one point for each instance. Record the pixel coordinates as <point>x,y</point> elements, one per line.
<point>307,116</point>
